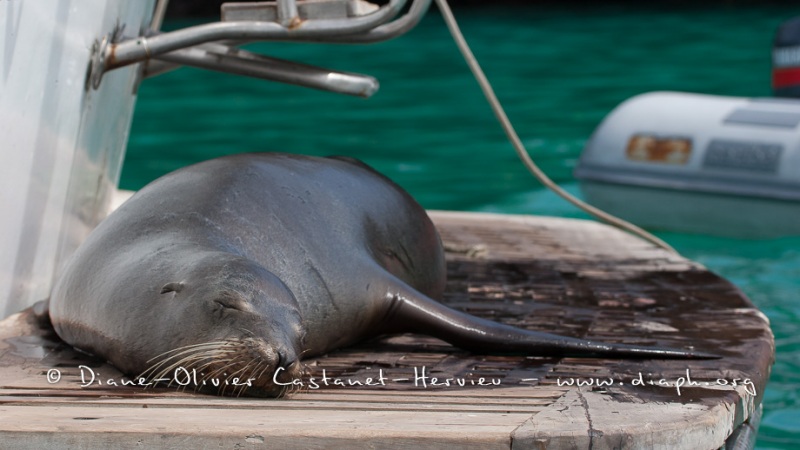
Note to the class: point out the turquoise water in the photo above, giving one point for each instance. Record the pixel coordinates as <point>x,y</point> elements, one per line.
<point>558,73</point>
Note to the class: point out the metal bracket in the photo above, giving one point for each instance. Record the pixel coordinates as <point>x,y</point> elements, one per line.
<point>340,21</point>
<point>100,49</point>
<point>97,64</point>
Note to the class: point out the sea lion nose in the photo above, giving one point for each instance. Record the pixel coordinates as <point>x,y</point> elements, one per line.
<point>287,360</point>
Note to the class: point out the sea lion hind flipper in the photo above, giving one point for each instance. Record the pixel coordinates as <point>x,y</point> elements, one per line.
<point>426,316</point>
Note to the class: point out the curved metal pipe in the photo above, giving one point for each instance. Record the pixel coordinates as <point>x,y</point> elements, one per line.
<point>232,60</point>
<point>381,33</point>
<point>389,30</point>
<point>141,48</point>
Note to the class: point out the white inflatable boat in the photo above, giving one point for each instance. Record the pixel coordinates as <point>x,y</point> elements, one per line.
<point>699,164</point>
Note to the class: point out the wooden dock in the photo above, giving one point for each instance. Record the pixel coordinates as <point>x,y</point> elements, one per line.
<point>564,276</point>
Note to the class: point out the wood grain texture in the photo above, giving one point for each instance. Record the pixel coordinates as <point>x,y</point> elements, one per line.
<point>571,277</point>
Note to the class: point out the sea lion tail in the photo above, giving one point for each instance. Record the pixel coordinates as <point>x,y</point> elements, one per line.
<point>485,336</point>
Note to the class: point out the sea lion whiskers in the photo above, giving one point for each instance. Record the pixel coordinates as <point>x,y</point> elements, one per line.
<point>185,347</point>
<point>232,366</point>
<point>165,357</point>
<point>249,374</point>
<point>221,361</point>
<point>229,377</point>
<point>186,364</point>
<point>186,359</point>
<point>249,369</point>
<point>260,369</point>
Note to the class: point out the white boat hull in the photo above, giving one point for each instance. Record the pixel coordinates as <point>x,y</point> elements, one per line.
<point>698,163</point>
<point>63,143</point>
<point>696,212</point>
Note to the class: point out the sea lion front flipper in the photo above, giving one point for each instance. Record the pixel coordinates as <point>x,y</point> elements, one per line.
<point>41,312</point>
<point>426,316</point>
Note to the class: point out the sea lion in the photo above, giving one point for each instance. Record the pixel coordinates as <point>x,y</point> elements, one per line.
<point>239,266</point>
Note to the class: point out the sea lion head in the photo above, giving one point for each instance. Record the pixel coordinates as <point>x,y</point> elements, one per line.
<point>231,328</point>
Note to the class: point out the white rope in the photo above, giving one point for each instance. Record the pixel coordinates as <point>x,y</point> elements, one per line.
<point>499,112</point>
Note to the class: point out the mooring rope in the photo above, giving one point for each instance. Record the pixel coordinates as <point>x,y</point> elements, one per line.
<point>519,147</point>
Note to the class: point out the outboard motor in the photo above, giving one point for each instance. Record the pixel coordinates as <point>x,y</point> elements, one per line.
<point>786,60</point>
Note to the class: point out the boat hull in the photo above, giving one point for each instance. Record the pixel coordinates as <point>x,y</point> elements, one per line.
<point>64,141</point>
<point>699,164</point>
<point>696,212</point>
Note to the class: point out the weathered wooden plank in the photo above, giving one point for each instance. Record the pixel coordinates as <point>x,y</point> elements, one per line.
<point>344,403</point>
<point>592,420</point>
<point>558,275</point>
<point>193,428</point>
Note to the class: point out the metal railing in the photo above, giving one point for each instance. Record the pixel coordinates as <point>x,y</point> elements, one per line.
<point>214,46</point>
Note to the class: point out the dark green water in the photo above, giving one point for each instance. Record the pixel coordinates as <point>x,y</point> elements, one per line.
<point>558,73</point>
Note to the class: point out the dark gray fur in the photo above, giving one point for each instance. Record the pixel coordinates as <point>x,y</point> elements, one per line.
<point>284,256</point>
